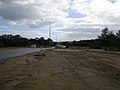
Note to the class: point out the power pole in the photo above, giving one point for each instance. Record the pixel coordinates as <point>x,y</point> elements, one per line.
<point>49,33</point>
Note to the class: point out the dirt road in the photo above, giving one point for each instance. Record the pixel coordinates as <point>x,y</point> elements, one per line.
<point>62,70</point>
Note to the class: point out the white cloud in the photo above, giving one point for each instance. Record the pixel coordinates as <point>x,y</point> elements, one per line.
<point>30,12</point>
<point>98,11</point>
<point>98,14</point>
<point>3,27</point>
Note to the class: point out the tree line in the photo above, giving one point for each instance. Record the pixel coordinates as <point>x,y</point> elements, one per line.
<point>107,40</point>
<point>19,41</point>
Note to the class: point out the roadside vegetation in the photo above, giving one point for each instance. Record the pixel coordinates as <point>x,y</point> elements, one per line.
<point>107,41</point>
<point>19,41</point>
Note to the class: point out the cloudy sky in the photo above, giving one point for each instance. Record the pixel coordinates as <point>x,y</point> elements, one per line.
<point>70,19</point>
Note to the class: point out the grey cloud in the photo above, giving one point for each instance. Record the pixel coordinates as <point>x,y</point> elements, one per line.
<point>79,30</point>
<point>24,12</point>
<point>82,36</point>
<point>38,24</point>
<point>78,36</point>
<point>17,12</point>
<point>13,1</point>
<point>79,33</point>
<point>41,24</point>
<point>83,33</point>
<point>27,34</point>
<point>7,1</point>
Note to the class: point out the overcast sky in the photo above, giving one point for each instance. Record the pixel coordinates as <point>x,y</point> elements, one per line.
<point>70,19</point>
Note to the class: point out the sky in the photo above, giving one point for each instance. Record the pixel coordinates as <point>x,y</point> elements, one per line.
<point>69,19</point>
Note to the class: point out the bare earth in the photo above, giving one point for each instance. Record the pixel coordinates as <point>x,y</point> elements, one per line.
<point>61,70</point>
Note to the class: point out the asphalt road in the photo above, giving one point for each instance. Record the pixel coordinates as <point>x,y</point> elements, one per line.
<point>16,52</point>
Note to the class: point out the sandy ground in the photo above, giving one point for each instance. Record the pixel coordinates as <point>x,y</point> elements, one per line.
<point>61,70</point>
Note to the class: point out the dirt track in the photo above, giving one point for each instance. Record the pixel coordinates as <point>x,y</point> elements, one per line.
<point>63,70</point>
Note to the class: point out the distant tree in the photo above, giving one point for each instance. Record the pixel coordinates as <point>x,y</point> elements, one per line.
<point>118,34</point>
<point>17,37</point>
<point>118,39</point>
<point>112,39</point>
<point>42,41</point>
<point>74,43</point>
<point>104,34</point>
<point>104,38</point>
<point>109,40</point>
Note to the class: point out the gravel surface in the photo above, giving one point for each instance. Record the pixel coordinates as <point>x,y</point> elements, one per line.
<point>61,69</point>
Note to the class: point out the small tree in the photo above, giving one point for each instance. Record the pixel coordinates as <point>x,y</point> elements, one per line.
<point>104,38</point>
<point>118,39</point>
<point>118,34</point>
<point>104,34</point>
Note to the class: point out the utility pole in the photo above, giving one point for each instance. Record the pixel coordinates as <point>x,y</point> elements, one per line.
<point>56,40</point>
<point>49,24</point>
<point>49,31</point>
